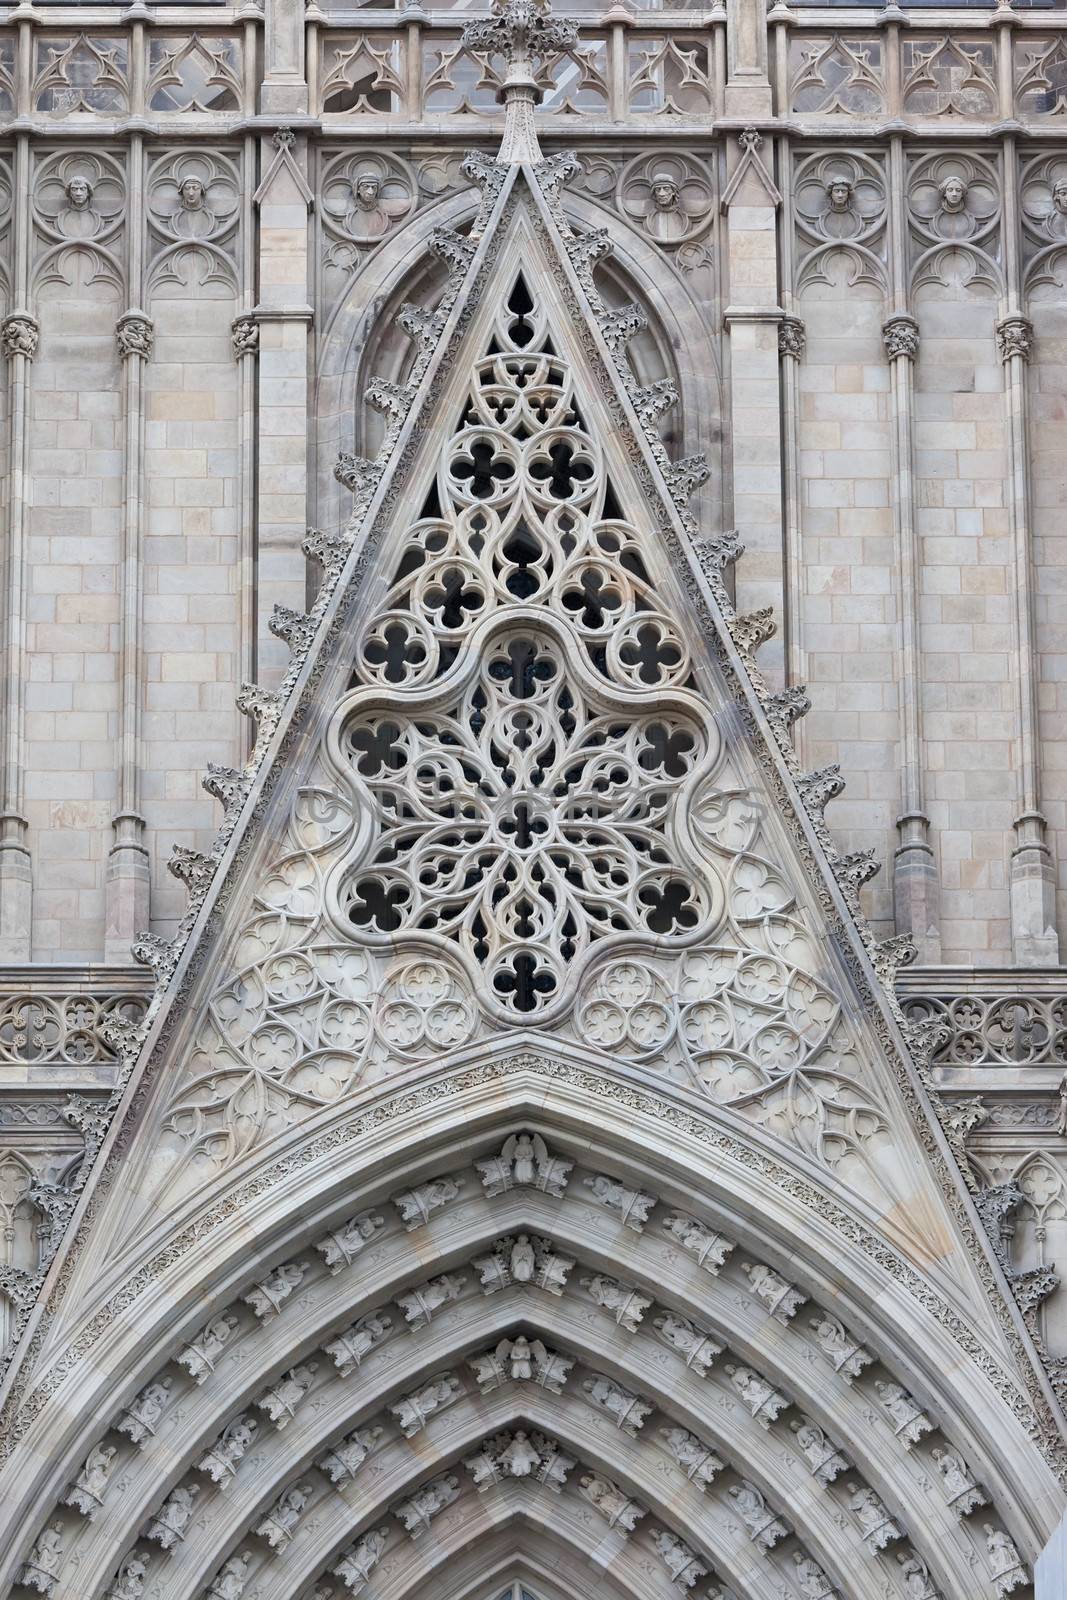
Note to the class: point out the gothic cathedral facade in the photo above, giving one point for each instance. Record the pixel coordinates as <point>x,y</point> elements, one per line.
<point>485,1113</point>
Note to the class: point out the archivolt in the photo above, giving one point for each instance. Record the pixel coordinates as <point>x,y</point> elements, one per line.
<point>289,1325</point>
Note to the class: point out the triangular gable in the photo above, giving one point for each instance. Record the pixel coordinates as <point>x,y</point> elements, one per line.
<point>628,862</point>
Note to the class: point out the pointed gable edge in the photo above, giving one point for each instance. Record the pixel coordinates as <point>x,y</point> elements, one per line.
<point>282,715</point>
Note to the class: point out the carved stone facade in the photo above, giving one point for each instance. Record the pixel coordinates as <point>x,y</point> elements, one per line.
<point>478,488</point>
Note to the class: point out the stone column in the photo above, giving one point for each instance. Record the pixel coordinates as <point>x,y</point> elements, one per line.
<point>1032,874</point>
<point>19,334</point>
<point>284,90</point>
<point>748,88</point>
<point>916,885</point>
<point>128,876</point>
<point>283,317</point>
<point>18,338</point>
<point>752,318</point>
<point>791,341</point>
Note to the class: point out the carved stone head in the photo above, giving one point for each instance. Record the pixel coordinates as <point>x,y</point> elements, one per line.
<point>79,193</point>
<point>839,192</point>
<point>367,189</point>
<point>953,192</point>
<point>191,193</point>
<point>664,192</point>
<point>1059,196</point>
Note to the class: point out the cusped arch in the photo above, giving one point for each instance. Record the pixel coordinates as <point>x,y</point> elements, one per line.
<point>360,341</point>
<point>284,1214</point>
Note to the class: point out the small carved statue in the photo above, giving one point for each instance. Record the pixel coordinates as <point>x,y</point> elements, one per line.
<point>268,1297</point>
<point>230,1581</point>
<point>340,1249</point>
<point>524,1162</point>
<point>697,1460</point>
<point>961,1490</point>
<point>417,1513</point>
<point>200,1357</point>
<point>130,1579</point>
<point>414,1410</point>
<point>824,1460</point>
<point>952,191</point>
<point>1005,1562</point>
<point>839,1347</point>
<point>629,1410</point>
<point>621,1299</point>
<point>607,1498</point>
<point>839,193</point>
<point>346,1458</point>
<point>420,1304</point>
<point>877,1525</point>
<point>764,1528</point>
<point>811,1579</point>
<point>79,193</point>
<point>277,1526</point>
<point>281,1401</point>
<point>168,1525</point>
<point>698,1349</point>
<point>221,1461</point>
<point>191,193</point>
<point>664,191</point>
<point>679,1560</point>
<point>350,1347</point>
<point>357,1563</point>
<point>87,1492</point>
<point>781,1298</point>
<point>41,1571</point>
<point>138,1421</point>
<point>633,1205</point>
<point>764,1402</point>
<point>909,1423</point>
<point>416,1206</point>
<point>710,1249</point>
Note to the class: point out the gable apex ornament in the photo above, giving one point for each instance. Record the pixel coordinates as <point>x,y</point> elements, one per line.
<point>750,140</point>
<point>526,34</point>
<point>284,161</point>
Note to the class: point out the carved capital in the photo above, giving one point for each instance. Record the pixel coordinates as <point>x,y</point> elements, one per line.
<point>19,334</point>
<point>135,334</point>
<point>244,333</point>
<point>792,337</point>
<point>1015,337</point>
<point>900,336</point>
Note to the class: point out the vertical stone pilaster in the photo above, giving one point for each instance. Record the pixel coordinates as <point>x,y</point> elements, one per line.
<point>19,334</point>
<point>128,878</point>
<point>752,319</point>
<point>283,317</point>
<point>284,89</point>
<point>748,88</point>
<point>916,885</point>
<point>1032,875</point>
<point>792,337</point>
<point>245,338</point>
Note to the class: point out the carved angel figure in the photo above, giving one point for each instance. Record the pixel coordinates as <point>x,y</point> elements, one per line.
<point>811,1579</point>
<point>281,1401</point>
<point>350,1347</point>
<point>138,1421</point>
<point>87,1491</point>
<point>961,1491</point>
<point>698,1349</point>
<point>1005,1562</point>
<point>130,1579</point>
<point>629,1410</point>
<point>417,1206</point>
<point>824,1460</point>
<point>417,1513</point>
<point>679,1560</point>
<point>710,1249</point>
<point>277,1526</point>
<point>909,1423</point>
<point>624,1302</point>
<point>696,1459</point>
<point>268,1297</point>
<point>763,1402</point>
<point>340,1249</point>
<point>419,1306</point>
<point>519,1458</point>
<point>781,1298</point>
<point>521,1360</point>
<point>346,1458</point>
<point>200,1357</point>
<point>632,1205</point>
<point>839,1347</point>
<point>614,1506</point>
<point>524,1162</point>
<point>230,1581</point>
<point>42,1569</point>
<point>168,1525</point>
<point>357,1563</point>
<point>918,1584</point>
<point>520,1259</point>
<point>764,1528</point>
<point>221,1461</point>
<point>414,1410</point>
<point>877,1525</point>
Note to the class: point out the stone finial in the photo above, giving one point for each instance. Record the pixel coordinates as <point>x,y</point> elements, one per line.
<point>525,33</point>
